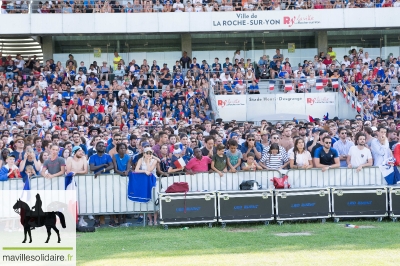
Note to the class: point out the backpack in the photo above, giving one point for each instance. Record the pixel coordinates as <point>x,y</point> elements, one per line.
<point>178,187</point>
<point>249,185</point>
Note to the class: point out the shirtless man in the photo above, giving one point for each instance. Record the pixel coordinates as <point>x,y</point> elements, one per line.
<point>287,141</point>
<point>77,164</point>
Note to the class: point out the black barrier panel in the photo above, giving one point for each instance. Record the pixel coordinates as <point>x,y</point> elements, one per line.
<point>181,210</point>
<point>395,201</point>
<point>359,204</point>
<point>302,206</point>
<point>245,208</point>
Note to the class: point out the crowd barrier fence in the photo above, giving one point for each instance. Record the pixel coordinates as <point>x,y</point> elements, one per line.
<point>107,194</point>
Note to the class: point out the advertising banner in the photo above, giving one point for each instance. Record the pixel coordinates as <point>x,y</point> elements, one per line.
<point>260,106</point>
<point>277,20</point>
<point>290,103</point>
<point>318,104</point>
<point>231,107</point>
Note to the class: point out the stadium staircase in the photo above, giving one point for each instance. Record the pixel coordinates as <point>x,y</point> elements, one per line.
<point>26,46</point>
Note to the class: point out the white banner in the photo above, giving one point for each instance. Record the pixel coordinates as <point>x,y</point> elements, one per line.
<point>277,20</point>
<point>260,106</point>
<point>318,104</point>
<point>290,103</point>
<point>231,107</point>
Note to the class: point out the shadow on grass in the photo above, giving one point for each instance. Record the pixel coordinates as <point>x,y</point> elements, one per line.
<point>200,240</point>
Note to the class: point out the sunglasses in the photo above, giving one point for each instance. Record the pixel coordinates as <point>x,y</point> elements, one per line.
<point>251,139</point>
<point>328,142</point>
<point>117,139</point>
<point>149,153</point>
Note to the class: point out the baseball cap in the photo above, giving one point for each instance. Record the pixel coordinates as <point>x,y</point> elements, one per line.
<point>148,149</point>
<point>145,144</point>
<point>374,128</point>
<point>315,129</point>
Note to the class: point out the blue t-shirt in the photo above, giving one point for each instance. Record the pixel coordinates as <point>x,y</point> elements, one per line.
<point>326,158</point>
<point>122,163</point>
<point>99,160</point>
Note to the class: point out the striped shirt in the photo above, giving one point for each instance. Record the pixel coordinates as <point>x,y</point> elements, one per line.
<point>266,150</point>
<point>276,161</point>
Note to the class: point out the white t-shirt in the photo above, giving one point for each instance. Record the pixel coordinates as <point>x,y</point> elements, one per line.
<point>359,157</point>
<point>301,158</point>
<point>178,7</point>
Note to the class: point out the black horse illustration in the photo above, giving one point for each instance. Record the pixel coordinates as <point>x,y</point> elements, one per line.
<point>37,218</point>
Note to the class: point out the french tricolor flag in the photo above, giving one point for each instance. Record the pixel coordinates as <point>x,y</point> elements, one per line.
<point>180,163</point>
<point>348,97</point>
<point>271,85</point>
<point>359,106</point>
<point>335,83</point>
<point>288,85</point>
<point>389,172</point>
<point>353,102</point>
<point>26,192</point>
<point>71,186</point>
<point>344,93</point>
<point>319,84</point>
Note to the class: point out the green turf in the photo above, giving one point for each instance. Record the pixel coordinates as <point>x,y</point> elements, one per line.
<point>247,244</point>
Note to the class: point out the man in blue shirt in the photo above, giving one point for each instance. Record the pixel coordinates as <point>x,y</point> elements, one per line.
<point>387,109</point>
<point>100,162</point>
<point>326,157</point>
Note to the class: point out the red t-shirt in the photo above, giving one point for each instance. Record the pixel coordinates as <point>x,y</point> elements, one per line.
<point>197,165</point>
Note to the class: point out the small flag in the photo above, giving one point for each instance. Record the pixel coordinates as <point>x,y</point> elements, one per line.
<point>326,117</point>
<point>319,85</point>
<point>271,85</point>
<point>359,107</point>
<point>335,83</point>
<point>41,133</point>
<point>310,118</point>
<point>353,103</point>
<point>26,192</point>
<point>348,97</point>
<point>288,85</point>
<point>71,185</point>
<point>180,163</point>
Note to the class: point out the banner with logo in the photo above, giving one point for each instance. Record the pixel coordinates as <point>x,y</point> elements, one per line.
<point>276,106</point>
<point>290,103</point>
<point>259,106</point>
<point>231,107</point>
<point>277,20</point>
<point>318,104</point>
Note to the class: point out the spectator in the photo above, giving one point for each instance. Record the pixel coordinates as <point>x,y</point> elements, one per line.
<point>55,165</point>
<point>275,160</point>
<point>251,146</point>
<point>100,162</point>
<point>251,164</point>
<point>234,156</point>
<point>219,161</point>
<point>121,160</point>
<point>343,146</point>
<point>9,170</point>
<point>326,157</point>
<point>359,156</point>
<point>199,163</point>
<point>299,157</point>
<point>380,147</point>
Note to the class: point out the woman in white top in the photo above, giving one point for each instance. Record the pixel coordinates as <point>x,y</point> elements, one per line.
<point>147,164</point>
<point>250,75</point>
<point>188,7</point>
<point>299,157</point>
<point>311,81</point>
<point>209,7</point>
<point>198,7</point>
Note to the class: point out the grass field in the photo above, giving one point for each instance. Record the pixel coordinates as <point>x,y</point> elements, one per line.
<point>249,244</point>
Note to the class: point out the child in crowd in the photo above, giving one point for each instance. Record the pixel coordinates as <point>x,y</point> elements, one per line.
<point>9,170</point>
<point>234,156</point>
<point>275,160</point>
<point>218,163</point>
<point>251,164</point>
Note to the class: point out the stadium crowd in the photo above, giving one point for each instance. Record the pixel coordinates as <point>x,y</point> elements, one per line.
<point>59,118</point>
<point>146,6</point>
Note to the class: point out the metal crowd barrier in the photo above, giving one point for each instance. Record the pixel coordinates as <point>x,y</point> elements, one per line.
<point>213,182</point>
<point>310,178</point>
